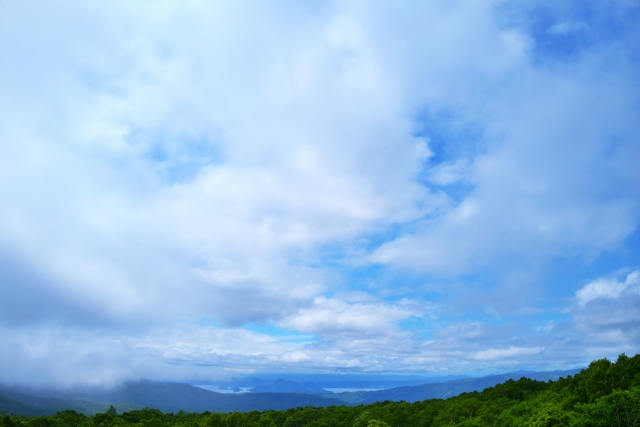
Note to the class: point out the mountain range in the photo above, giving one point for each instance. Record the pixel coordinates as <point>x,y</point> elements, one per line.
<point>445,389</point>
<point>279,395</point>
<point>334,381</point>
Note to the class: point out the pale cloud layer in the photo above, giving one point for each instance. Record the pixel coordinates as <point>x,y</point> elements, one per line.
<point>192,190</point>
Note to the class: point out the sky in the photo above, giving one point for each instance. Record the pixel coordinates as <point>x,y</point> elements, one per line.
<point>196,190</point>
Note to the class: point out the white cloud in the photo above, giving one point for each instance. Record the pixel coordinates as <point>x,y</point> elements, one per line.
<point>504,353</point>
<point>565,27</point>
<point>450,173</point>
<point>331,318</point>
<point>303,137</point>
<point>544,189</point>
<point>608,310</point>
<point>607,288</point>
<point>305,133</point>
<point>162,164</point>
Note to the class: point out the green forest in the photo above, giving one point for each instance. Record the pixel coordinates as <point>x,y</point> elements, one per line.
<point>604,394</point>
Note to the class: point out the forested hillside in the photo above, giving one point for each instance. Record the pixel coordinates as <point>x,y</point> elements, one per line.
<point>446,389</point>
<point>604,394</point>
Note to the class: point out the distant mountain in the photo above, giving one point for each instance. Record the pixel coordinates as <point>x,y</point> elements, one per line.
<point>168,397</point>
<point>326,381</point>
<point>12,406</point>
<point>445,389</point>
<point>284,386</point>
<point>26,404</point>
<point>173,397</point>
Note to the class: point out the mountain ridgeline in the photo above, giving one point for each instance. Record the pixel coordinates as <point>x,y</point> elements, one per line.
<point>604,394</point>
<point>278,395</point>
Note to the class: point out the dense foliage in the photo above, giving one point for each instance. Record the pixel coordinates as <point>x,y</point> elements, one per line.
<point>604,394</point>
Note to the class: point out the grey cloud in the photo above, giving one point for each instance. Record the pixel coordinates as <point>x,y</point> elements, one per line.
<point>25,296</point>
<point>29,297</point>
<point>609,310</point>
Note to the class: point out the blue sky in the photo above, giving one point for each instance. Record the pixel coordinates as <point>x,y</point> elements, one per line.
<point>199,190</point>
